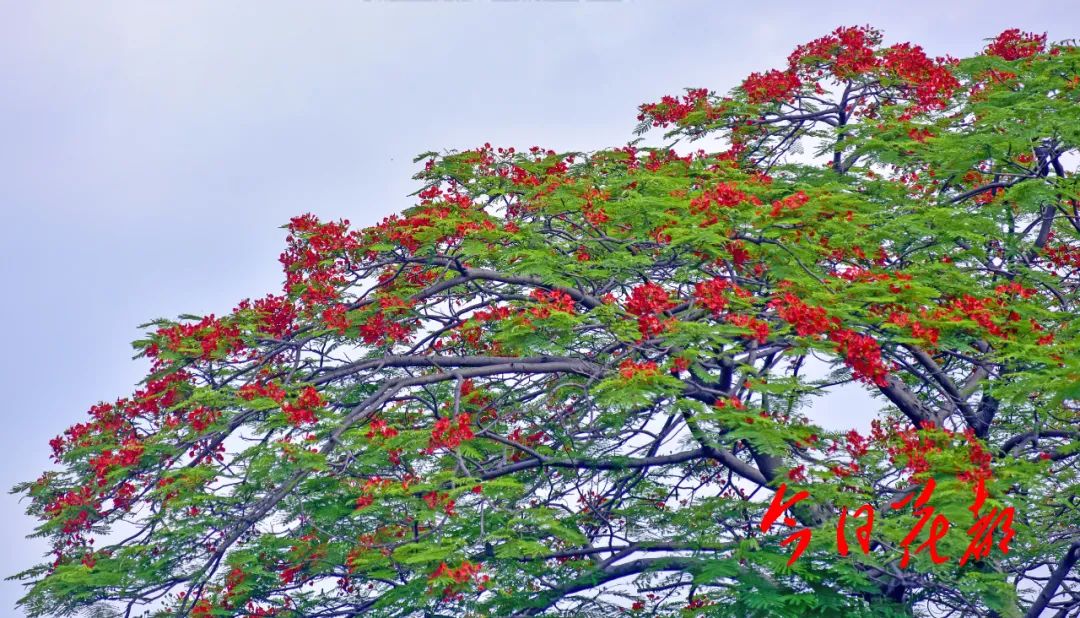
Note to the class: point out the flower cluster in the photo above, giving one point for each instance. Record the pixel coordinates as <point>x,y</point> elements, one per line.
<point>1062,255</point>
<point>270,390</point>
<point>758,328</point>
<point>530,440</point>
<point>986,312</point>
<point>648,301</point>
<point>771,86</point>
<point>722,195</point>
<point>435,499</point>
<point>850,52</point>
<point>307,552</point>
<point>202,417</point>
<point>927,334</point>
<point>931,81</point>
<point>371,486</point>
<point>336,317</point>
<point>671,110</point>
<point>711,293</point>
<point>210,336</point>
<point>807,320</point>
<point>77,506</point>
<point>449,432</point>
<point>847,51</point>
<point>629,369</point>
<point>379,428</point>
<point>861,352</point>
<point>457,579</point>
<point>111,423</point>
<point>1014,44</point>
<point>549,301</point>
<point>794,201</point>
<point>379,330</point>
<point>913,447</point>
<point>276,315</point>
<point>660,157</point>
<point>315,259</point>
<point>303,411</point>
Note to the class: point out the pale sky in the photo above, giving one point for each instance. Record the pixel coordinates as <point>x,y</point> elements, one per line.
<point>150,151</point>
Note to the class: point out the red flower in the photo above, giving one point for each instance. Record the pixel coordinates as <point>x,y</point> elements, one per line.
<point>377,330</point>
<point>202,417</point>
<point>806,320</point>
<point>628,369</point>
<point>271,390</point>
<point>863,354</point>
<point>449,433</point>
<point>771,86</point>
<point>723,195</point>
<point>847,52</point>
<point>553,300</point>
<point>303,411</point>
<point>1014,44</point>
<point>671,110</point>
<point>931,80</point>
<point>711,293</point>
<point>759,329</point>
<point>277,315</point>
<point>335,317</point>
<point>379,428</point>
<point>212,336</point>
<point>791,202</point>
<point>647,301</point>
<point>459,577</point>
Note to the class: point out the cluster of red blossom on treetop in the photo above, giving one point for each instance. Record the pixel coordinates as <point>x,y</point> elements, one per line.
<point>112,422</point>
<point>849,53</point>
<point>212,335</point>
<point>772,85</point>
<point>671,110</point>
<point>1014,44</point>
<point>276,314</point>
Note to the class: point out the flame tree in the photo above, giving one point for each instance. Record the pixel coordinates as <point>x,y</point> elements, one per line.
<point>570,383</point>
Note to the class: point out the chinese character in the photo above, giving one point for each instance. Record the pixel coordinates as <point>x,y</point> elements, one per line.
<point>776,508</point>
<point>982,532</point>
<point>937,529</point>
<point>862,533</point>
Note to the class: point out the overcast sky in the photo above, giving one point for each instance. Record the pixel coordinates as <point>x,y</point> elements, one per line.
<point>150,151</point>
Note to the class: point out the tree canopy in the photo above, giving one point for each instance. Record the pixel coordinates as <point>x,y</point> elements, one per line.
<point>568,383</point>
